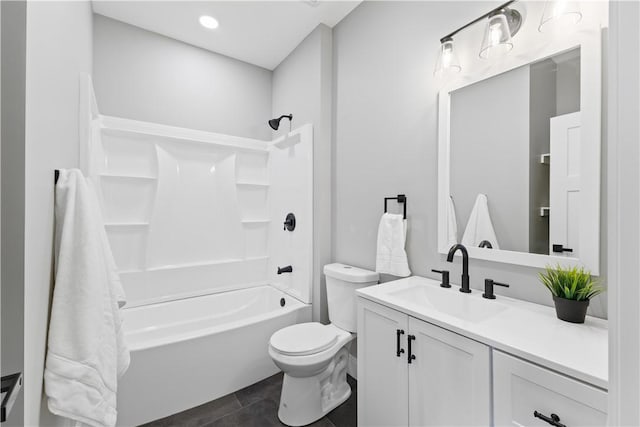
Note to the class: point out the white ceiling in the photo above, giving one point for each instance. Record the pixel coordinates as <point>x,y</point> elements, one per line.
<point>259,32</point>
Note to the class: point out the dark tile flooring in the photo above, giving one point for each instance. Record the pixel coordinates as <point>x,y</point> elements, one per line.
<point>256,406</point>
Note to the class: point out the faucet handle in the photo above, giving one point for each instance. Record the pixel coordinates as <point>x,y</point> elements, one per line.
<point>445,278</point>
<point>488,288</point>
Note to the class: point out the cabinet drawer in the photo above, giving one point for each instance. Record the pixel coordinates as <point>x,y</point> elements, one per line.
<point>520,388</point>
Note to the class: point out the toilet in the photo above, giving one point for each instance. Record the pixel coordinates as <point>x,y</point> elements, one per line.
<point>314,357</point>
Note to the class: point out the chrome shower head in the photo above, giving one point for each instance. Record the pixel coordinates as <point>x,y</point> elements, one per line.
<point>275,123</point>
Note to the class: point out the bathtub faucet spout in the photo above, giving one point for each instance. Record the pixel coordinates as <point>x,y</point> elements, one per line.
<point>287,269</point>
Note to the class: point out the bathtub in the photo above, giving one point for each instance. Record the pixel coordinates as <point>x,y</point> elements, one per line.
<point>188,352</point>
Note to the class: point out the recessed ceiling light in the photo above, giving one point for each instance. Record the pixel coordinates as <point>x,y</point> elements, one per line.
<point>209,22</point>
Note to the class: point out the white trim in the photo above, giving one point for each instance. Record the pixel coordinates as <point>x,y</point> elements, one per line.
<point>623,204</point>
<point>590,106</point>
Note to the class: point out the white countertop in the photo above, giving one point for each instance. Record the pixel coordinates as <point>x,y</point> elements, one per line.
<point>523,329</point>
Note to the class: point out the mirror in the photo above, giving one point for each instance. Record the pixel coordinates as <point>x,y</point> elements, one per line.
<point>532,115</point>
<point>519,163</point>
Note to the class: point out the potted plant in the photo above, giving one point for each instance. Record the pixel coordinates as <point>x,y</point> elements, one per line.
<point>572,288</point>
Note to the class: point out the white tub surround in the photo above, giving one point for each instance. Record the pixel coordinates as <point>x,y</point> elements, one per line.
<point>477,345</point>
<point>183,206</point>
<point>188,352</point>
<point>192,216</point>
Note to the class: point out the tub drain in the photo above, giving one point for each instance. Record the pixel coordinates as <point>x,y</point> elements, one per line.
<point>282,302</point>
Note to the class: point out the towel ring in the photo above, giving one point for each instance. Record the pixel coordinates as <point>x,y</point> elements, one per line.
<point>400,198</point>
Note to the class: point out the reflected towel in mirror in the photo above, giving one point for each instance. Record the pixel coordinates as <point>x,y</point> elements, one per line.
<point>479,226</point>
<point>452,224</point>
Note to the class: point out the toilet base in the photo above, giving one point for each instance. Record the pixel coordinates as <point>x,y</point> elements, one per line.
<point>305,400</point>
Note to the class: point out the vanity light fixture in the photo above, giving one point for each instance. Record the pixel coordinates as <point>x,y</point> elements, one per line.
<point>503,23</point>
<point>558,12</point>
<point>209,22</point>
<point>447,58</point>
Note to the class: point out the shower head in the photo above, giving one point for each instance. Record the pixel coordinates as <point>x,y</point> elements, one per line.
<point>275,123</point>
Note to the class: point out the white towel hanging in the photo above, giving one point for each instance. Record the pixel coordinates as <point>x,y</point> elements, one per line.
<point>391,256</point>
<point>86,348</point>
<point>479,227</point>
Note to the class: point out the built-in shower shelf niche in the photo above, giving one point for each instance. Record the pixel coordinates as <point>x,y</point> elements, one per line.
<point>128,243</point>
<point>154,133</point>
<point>252,184</point>
<point>255,221</point>
<point>128,177</point>
<point>127,200</point>
<point>110,225</point>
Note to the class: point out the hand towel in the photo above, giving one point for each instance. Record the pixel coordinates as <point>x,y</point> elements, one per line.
<point>452,224</point>
<point>479,226</point>
<point>86,351</point>
<point>391,257</point>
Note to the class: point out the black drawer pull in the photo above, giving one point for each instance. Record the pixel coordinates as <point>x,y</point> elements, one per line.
<point>554,420</point>
<point>410,356</point>
<point>399,350</point>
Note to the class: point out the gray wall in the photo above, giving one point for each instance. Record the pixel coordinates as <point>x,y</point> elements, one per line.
<point>145,76</point>
<point>13,186</point>
<point>490,142</point>
<point>543,106</point>
<point>302,85</point>
<point>59,49</point>
<point>568,86</point>
<point>386,137</point>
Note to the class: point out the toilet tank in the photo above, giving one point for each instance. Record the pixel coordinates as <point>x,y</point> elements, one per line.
<point>342,282</point>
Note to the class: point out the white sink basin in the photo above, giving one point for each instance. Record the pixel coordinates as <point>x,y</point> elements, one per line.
<point>449,301</point>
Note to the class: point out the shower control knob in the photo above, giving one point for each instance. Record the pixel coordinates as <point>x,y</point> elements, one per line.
<point>290,222</point>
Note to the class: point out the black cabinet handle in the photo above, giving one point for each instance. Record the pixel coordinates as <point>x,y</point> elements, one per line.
<point>410,356</point>
<point>399,350</point>
<point>554,420</point>
<point>560,249</point>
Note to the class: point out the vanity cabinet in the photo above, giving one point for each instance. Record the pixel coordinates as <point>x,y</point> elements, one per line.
<point>522,390</point>
<point>412,373</point>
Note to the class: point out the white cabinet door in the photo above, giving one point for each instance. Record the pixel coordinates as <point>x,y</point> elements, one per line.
<point>522,390</point>
<point>382,369</point>
<point>449,380</point>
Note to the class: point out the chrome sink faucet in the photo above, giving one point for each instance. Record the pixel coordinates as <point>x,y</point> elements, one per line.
<point>465,265</point>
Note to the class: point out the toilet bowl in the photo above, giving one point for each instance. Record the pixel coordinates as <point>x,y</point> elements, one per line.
<point>314,357</point>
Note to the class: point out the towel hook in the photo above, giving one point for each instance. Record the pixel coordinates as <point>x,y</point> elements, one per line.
<point>400,198</point>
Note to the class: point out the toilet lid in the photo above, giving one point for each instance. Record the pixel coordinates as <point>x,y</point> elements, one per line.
<point>303,339</point>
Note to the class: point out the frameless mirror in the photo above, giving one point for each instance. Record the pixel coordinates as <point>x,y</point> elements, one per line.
<point>519,163</point>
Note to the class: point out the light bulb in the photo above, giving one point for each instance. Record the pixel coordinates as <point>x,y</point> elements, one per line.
<point>497,37</point>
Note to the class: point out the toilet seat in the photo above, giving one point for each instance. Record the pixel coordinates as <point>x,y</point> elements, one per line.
<point>303,339</point>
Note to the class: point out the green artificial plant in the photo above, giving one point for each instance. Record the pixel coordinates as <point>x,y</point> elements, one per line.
<point>571,283</point>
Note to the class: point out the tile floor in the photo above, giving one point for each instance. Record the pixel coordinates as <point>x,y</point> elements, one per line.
<point>255,406</point>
